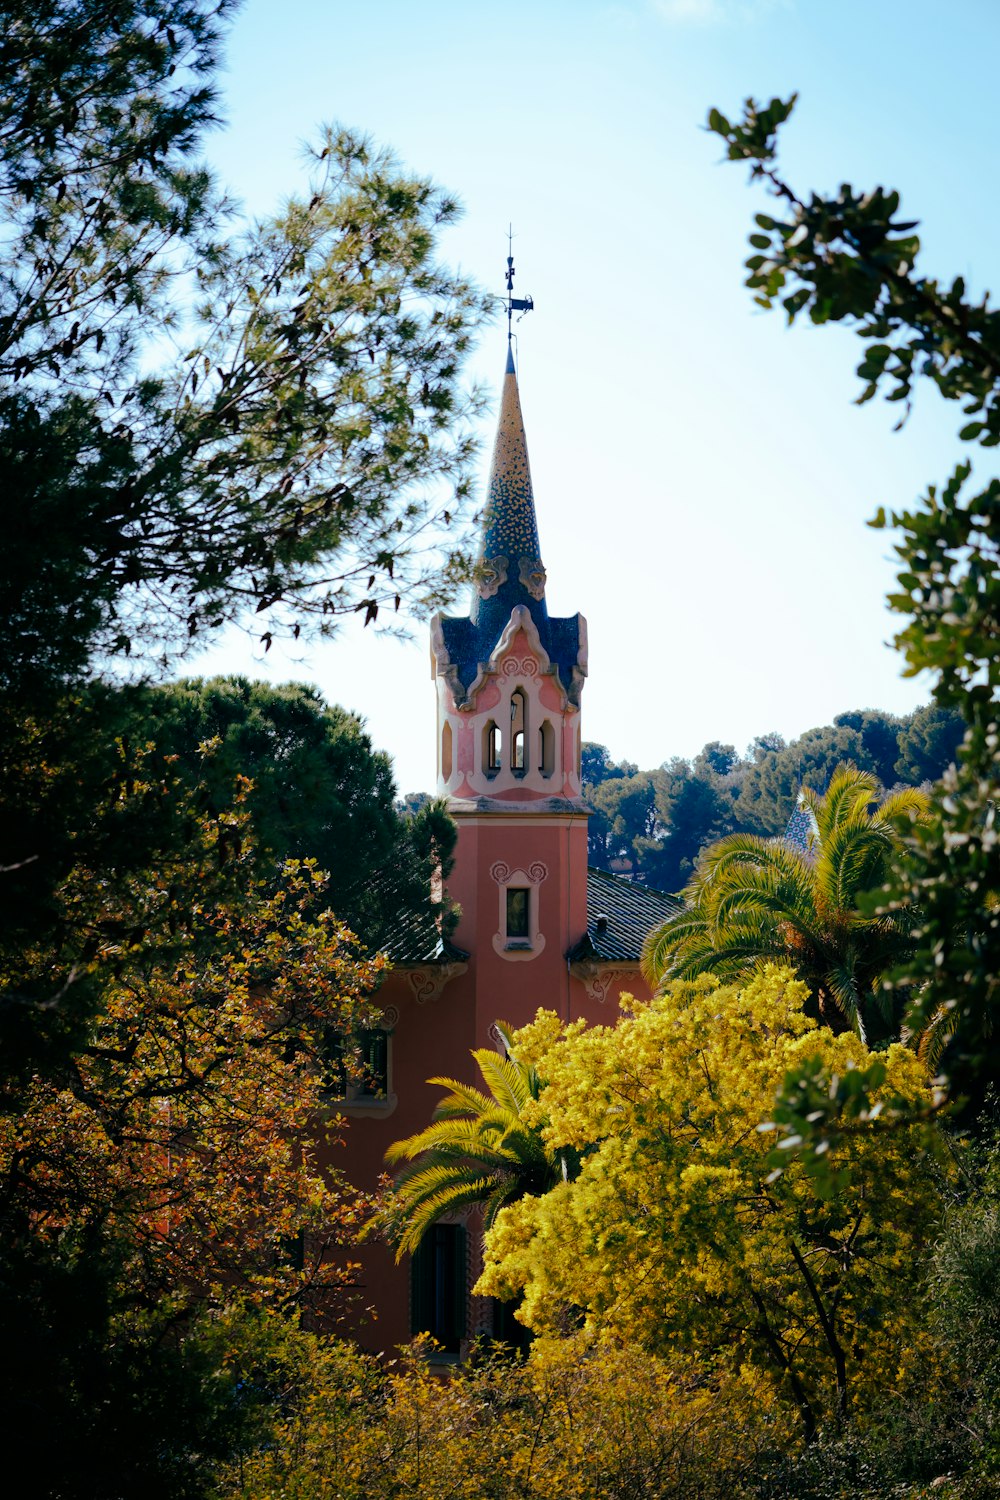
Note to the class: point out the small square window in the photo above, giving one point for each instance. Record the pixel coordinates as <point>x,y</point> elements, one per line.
<point>518,926</point>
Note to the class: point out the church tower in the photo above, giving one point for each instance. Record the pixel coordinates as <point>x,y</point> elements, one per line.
<point>537,928</point>
<point>509,678</point>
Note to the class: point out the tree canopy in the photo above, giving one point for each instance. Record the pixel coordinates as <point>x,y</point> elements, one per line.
<point>653,825</point>
<point>204,416</point>
<point>677,1236</point>
<point>755,901</point>
<point>849,257</point>
<point>319,791</point>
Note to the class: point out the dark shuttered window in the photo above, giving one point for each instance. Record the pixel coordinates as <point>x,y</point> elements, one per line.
<point>438,1286</point>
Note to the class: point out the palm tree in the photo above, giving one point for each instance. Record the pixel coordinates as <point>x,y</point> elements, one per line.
<point>478,1150</point>
<point>754,901</point>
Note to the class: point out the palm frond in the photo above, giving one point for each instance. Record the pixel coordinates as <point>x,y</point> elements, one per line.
<point>661,944</point>
<point>840,981</point>
<point>848,790</point>
<point>909,802</point>
<point>461,1099</point>
<point>931,1042</point>
<point>423,1213</point>
<point>508,1081</point>
<point>477,1149</point>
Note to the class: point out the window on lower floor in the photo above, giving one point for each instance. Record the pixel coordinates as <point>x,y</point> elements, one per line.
<point>358,1065</point>
<point>438,1286</point>
<point>505,1328</point>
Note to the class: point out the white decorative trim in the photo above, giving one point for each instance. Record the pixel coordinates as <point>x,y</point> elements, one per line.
<point>519,950</point>
<point>520,619</point>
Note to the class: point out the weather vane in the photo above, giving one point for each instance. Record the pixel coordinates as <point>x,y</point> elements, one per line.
<point>514,304</point>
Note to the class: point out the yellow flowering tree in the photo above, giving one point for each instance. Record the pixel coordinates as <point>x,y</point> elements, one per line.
<point>679,1234</point>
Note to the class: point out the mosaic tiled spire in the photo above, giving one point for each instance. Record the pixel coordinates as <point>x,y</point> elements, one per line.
<point>510,569</point>
<point>801,830</point>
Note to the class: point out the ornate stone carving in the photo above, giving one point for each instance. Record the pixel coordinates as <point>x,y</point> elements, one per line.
<point>491,573</point>
<point>531,573</point>
<point>428,983</point>
<point>501,872</point>
<point>518,950</point>
<point>520,666</point>
<point>600,980</point>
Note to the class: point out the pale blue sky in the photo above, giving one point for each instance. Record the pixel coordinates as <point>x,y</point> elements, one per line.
<point>701,477</point>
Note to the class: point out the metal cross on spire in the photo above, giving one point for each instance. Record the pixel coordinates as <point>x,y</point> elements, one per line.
<point>514,304</point>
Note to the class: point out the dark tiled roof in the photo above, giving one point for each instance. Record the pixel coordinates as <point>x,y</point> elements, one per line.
<point>415,939</point>
<point>619,915</point>
<point>470,645</point>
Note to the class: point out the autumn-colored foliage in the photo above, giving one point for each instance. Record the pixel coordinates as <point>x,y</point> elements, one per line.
<point>589,1423</point>
<point>174,1155</point>
<point>190,1124</point>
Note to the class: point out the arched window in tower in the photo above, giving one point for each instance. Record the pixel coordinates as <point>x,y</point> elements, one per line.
<point>547,748</point>
<point>491,748</point>
<point>446,756</point>
<point>518,730</point>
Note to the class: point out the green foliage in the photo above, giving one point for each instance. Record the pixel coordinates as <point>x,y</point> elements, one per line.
<point>203,418</point>
<point>653,825</point>
<point>482,1149</point>
<point>625,809</point>
<point>950,591</point>
<point>692,810</point>
<point>769,791</point>
<point>319,790</point>
<point>214,416</point>
<point>882,737</point>
<point>755,901</point>
<point>964,1287</point>
<point>848,257</point>
<point>929,743</point>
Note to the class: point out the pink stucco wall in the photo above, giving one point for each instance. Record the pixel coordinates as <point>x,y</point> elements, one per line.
<point>433,1036</point>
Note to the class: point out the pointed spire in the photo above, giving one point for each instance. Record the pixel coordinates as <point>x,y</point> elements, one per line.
<point>510,565</point>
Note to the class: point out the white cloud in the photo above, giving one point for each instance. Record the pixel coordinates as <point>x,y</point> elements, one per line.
<point>716,12</point>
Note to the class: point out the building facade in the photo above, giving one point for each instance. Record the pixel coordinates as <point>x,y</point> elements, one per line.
<point>537,928</point>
